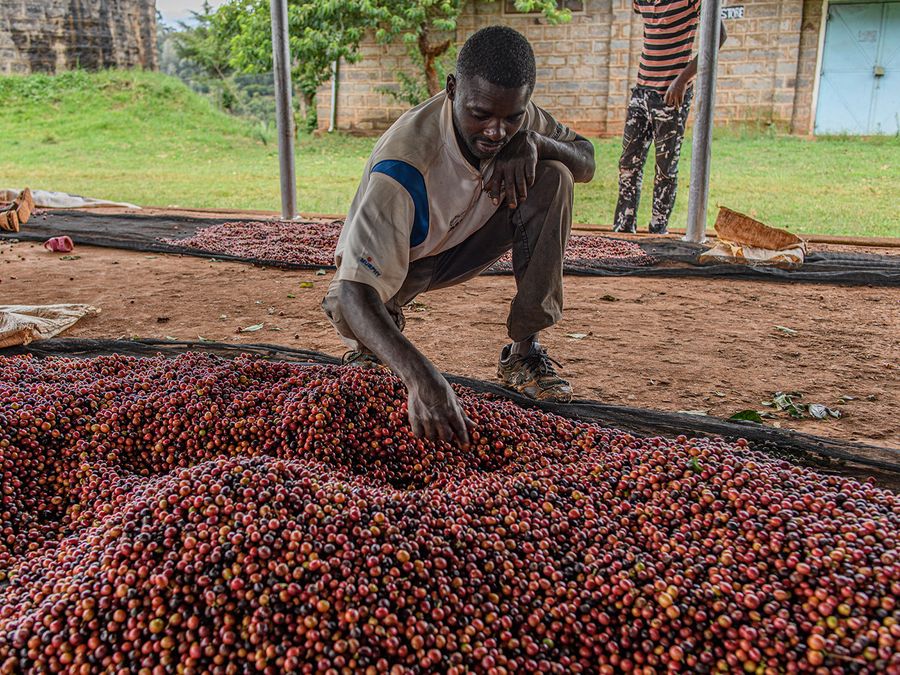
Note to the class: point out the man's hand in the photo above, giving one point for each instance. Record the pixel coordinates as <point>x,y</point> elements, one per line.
<point>435,412</point>
<point>674,95</point>
<point>514,169</point>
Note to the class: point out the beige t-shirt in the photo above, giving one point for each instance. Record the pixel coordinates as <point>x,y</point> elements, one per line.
<point>419,196</point>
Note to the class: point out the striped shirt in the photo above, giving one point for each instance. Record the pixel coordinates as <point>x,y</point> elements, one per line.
<point>669,28</point>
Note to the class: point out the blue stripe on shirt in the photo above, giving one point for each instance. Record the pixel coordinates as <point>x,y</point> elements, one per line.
<point>410,178</point>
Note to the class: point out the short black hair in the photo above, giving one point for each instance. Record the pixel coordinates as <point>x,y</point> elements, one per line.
<point>500,55</point>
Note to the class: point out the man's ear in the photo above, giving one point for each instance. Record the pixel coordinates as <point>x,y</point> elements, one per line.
<point>451,86</point>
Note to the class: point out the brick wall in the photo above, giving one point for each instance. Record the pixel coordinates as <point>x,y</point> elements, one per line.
<point>54,35</point>
<point>586,68</point>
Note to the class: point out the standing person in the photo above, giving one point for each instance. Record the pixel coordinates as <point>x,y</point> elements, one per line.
<point>455,183</point>
<point>658,109</point>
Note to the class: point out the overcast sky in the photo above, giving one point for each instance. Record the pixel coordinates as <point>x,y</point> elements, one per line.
<point>180,10</point>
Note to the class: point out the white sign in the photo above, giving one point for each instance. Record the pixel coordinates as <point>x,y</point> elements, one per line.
<point>736,12</point>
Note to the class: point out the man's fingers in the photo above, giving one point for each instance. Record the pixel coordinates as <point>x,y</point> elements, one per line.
<point>521,187</point>
<point>470,425</point>
<point>443,430</point>
<point>491,186</point>
<point>509,182</point>
<point>530,169</point>
<point>432,432</point>
<point>459,428</point>
<point>416,425</point>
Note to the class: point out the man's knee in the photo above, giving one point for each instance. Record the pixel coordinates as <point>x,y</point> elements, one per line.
<point>554,177</point>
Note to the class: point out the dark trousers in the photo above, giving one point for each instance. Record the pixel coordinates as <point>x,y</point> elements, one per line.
<point>650,119</point>
<point>537,232</point>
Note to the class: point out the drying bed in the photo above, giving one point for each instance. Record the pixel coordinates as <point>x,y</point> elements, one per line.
<point>664,257</point>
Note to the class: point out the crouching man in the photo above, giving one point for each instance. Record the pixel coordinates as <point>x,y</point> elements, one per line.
<point>453,185</point>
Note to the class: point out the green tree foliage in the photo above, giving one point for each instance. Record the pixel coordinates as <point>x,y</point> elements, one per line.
<point>196,53</point>
<point>321,32</point>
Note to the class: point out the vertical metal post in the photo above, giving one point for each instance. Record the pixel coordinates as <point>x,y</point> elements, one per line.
<point>281,60</point>
<point>707,60</point>
<point>335,74</point>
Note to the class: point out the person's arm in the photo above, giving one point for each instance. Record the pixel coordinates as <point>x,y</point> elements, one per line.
<point>516,164</point>
<point>434,411</point>
<point>674,95</point>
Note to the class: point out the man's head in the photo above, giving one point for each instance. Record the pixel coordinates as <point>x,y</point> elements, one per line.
<point>493,83</point>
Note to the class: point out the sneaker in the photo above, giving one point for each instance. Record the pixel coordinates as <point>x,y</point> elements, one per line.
<point>533,375</point>
<point>658,229</point>
<point>625,229</point>
<point>361,359</point>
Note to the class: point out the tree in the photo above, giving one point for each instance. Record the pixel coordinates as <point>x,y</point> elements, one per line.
<point>430,27</point>
<point>320,32</point>
<point>202,56</point>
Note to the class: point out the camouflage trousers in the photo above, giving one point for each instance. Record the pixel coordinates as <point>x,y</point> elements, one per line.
<point>650,119</point>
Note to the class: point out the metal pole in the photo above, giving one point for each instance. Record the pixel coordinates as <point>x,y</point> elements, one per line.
<point>281,59</point>
<point>708,57</point>
<point>335,74</point>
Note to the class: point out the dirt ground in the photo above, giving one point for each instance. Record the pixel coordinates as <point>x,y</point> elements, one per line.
<point>716,346</point>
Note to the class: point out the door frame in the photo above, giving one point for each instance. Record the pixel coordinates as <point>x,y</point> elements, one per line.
<point>823,23</point>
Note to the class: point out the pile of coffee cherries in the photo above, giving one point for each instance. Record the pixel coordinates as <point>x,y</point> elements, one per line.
<point>198,514</point>
<point>584,250</point>
<point>296,243</point>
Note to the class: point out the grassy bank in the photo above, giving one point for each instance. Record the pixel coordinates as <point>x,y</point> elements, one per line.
<point>146,138</point>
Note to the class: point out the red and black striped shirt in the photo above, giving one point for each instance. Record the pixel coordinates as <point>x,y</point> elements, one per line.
<point>669,28</point>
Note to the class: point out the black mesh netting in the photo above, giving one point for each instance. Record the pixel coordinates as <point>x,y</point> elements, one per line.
<point>830,455</point>
<point>269,245</point>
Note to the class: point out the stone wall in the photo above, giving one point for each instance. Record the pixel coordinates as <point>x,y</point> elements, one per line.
<point>586,67</point>
<point>50,36</point>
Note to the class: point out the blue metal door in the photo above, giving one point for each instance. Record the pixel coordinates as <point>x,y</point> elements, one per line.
<point>859,86</point>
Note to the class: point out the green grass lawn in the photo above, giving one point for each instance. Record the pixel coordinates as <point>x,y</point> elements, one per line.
<point>146,138</point>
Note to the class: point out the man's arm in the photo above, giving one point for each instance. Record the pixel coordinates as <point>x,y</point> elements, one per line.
<point>577,154</point>
<point>516,164</point>
<point>674,95</point>
<point>434,411</point>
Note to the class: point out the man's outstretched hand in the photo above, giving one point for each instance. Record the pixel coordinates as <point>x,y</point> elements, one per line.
<point>514,169</point>
<point>435,412</point>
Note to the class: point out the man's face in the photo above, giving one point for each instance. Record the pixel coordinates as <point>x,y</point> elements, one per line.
<point>486,116</point>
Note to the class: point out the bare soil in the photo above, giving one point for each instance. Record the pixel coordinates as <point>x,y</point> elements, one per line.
<point>668,344</point>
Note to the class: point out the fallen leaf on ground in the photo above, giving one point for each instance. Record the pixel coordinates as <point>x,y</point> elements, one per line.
<point>251,329</point>
<point>747,415</point>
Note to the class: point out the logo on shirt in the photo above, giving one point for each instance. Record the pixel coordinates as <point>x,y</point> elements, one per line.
<point>367,263</point>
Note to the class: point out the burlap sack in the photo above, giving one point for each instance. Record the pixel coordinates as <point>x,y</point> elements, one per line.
<point>22,324</point>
